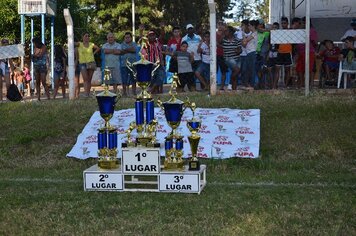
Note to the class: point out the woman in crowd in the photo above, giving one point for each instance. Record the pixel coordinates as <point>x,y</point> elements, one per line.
<point>87,64</point>
<point>39,58</point>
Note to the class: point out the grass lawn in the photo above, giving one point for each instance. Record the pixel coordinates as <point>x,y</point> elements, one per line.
<point>303,184</point>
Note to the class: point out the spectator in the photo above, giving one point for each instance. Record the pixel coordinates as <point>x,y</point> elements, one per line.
<point>273,76</point>
<point>193,41</point>
<point>261,51</point>
<point>27,76</point>
<point>87,64</point>
<point>174,45</point>
<point>330,56</point>
<point>128,53</point>
<point>59,71</point>
<point>348,54</point>
<point>203,71</point>
<point>232,50</point>
<point>39,58</point>
<point>76,74</point>
<point>154,54</point>
<point>112,51</point>
<point>19,79</point>
<point>284,56</point>
<point>250,44</point>
<point>245,32</point>
<point>300,67</point>
<point>351,32</point>
<point>220,34</point>
<point>6,67</point>
<point>185,70</point>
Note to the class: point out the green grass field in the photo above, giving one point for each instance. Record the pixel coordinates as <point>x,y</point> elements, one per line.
<point>303,184</point>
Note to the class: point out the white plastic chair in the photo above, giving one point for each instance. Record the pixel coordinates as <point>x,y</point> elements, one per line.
<point>345,71</point>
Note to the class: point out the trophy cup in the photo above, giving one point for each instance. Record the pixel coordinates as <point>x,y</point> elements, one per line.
<point>107,135</point>
<point>145,124</point>
<point>173,111</point>
<point>194,126</point>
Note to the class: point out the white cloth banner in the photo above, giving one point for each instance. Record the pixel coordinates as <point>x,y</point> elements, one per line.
<point>224,132</point>
<point>12,51</point>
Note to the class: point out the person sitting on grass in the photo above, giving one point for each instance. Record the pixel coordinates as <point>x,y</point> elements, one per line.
<point>204,68</point>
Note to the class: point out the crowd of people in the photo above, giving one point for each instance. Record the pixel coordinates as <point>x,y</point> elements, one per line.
<point>246,53</point>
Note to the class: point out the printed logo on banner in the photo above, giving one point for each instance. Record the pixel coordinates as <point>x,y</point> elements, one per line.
<point>204,129</point>
<point>224,119</point>
<point>90,139</point>
<point>218,152</point>
<point>121,130</point>
<point>203,112</point>
<point>201,152</point>
<point>243,152</point>
<point>222,140</point>
<point>243,130</point>
<point>125,114</point>
<point>220,127</point>
<point>161,129</point>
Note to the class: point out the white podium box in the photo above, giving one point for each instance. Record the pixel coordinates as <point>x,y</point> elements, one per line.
<point>140,160</point>
<point>140,171</point>
<point>96,179</point>
<point>183,181</point>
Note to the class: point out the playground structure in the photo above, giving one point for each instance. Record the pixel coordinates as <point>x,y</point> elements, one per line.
<point>32,9</point>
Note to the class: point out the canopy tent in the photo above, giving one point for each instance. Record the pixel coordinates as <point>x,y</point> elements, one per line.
<point>331,18</point>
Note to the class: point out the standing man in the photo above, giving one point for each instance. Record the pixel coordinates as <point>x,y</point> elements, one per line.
<point>284,56</point>
<point>112,51</point>
<point>193,41</point>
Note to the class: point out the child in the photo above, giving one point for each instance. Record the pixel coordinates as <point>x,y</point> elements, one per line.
<point>59,70</point>
<point>27,76</point>
<point>204,67</point>
<point>185,71</point>
<point>348,55</point>
<point>19,78</point>
<point>330,57</point>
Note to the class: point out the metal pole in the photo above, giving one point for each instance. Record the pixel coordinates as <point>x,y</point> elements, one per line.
<point>71,65</point>
<point>22,37</point>
<point>33,78</point>
<point>212,9</point>
<point>133,20</point>
<point>307,46</point>
<point>43,28</point>
<point>52,51</point>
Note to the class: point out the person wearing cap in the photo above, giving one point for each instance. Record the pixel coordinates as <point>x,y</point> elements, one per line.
<point>6,66</point>
<point>193,41</point>
<point>112,51</point>
<point>351,32</point>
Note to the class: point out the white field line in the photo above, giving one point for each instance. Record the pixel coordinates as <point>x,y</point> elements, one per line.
<point>233,184</point>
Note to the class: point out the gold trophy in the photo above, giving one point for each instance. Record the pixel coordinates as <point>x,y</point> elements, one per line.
<point>194,126</point>
<point>107,136</point>
<point>173,111</point>
<point>145,124</point>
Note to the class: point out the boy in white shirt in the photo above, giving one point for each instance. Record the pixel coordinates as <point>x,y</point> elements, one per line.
<point>203,70</point>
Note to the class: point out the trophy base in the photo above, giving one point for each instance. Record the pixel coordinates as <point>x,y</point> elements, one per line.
<point>174,165</point>
<point>194,165</point>
<point>145,141</point>
<point>108,164</point>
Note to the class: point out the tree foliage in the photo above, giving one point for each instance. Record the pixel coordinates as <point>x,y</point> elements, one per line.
<point>98,17</point>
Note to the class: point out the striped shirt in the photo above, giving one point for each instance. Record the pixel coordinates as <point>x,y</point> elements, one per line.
<point>230,48</point>
<point>154,51</point>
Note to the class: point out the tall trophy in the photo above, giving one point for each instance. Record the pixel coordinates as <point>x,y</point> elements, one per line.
<point>194,126</point>
<point>173,111</point>
<point>145,123</point>
<point>107,135</point>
